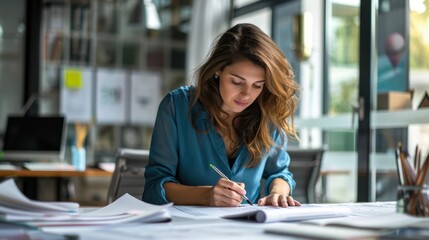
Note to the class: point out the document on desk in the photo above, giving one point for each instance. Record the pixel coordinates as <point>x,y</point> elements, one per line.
<point>126,209</point>
<point>16,207</point>
<point>366,208</point>
<point>14,202</point>
<point>266,214</point>
<point>385,221</point>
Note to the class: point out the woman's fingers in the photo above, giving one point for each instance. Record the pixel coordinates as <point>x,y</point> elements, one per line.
<point>236,187</point>
<point>262,201</point>
<point>283,199</point>
<point>228,193</point>
<point>277,200</point>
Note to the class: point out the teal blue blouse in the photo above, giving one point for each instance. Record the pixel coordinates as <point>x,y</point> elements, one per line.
<point>180,154</point>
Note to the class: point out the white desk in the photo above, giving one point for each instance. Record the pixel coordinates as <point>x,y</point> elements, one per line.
<point>181,228</point>
<point>189,228</point>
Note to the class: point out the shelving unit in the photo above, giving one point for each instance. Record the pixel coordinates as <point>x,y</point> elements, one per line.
<point>96,35</point>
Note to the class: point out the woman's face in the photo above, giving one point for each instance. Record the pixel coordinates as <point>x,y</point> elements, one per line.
<point>239,85</point>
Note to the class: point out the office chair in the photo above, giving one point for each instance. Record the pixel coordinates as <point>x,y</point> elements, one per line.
<point>128,176</point>
<point>305,165</point>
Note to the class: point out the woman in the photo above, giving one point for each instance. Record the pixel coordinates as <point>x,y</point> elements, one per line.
<point>238,118</point>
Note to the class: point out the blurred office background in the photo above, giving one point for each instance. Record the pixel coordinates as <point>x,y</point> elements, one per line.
<point>362,67</point>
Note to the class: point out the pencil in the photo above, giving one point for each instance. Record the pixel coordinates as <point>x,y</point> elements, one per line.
<point>223,175</point>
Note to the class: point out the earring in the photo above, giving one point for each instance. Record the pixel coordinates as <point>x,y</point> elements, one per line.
<point>216,77</point>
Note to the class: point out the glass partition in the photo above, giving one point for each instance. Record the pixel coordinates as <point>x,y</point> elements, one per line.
<point>402,40</point>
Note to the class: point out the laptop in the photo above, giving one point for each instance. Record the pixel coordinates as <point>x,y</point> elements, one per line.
<point>34,138</point>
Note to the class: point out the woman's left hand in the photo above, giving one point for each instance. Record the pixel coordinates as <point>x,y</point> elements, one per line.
<point>278,200</point>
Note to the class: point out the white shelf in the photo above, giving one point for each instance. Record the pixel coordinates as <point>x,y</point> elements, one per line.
<point>400,118</point>
<point>379,120</point>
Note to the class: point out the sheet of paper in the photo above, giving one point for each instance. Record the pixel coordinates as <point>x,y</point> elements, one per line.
<point>8,211</point>
<point>145,96</point>
<point>384,221</point>
<point>267,213</point>
<point>11,196</point>
<point>127,203</point>
<point>367,208</point>
<point>76,94</point>
<point>126,209</point>
<point>207,229</point>
<point>213,212</point>
<point>111,96</point>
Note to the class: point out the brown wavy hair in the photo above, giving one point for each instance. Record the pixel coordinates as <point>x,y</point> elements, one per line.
<point>274,107</point>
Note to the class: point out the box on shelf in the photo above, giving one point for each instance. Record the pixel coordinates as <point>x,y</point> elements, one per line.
<point>424,103</point>
<point>394,100</point>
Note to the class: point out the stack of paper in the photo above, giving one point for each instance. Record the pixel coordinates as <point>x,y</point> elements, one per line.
<point>15,207</point>
<point>126,209</point>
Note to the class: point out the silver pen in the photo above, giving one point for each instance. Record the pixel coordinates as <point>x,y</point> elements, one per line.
<point>223,175</point>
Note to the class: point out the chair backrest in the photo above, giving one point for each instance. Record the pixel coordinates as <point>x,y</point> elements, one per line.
<point>128,176</point>
<point>305,166</point>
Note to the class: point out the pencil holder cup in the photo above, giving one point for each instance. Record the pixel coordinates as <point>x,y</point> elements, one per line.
<point>78,158</point>
<point>413,200</point>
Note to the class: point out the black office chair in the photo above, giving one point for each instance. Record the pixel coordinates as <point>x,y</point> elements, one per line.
<point>128,176</point>
<point>305,166</point>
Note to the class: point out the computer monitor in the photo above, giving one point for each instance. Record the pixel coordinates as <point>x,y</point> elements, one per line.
<point>34,138</point>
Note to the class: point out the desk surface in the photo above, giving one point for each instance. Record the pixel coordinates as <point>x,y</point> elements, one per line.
<point>90,172</point>
<point>182,227</point>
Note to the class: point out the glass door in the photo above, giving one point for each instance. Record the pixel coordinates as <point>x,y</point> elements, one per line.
<point>341,87</point>
<point>329,81</point>
<point>375,94</point>
<point>399,90</point>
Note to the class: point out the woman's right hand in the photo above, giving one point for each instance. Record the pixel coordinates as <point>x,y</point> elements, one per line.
<point>226,193</point>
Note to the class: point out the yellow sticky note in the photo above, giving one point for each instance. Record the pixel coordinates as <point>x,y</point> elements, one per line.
<point>73,79</point>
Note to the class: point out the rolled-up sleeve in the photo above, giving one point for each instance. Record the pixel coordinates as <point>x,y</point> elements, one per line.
<point>277,165</point>
<point>163,155</point>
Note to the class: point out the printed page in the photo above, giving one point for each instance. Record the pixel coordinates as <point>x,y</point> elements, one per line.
<point>204,212</point>
<point>367,208</point>
<point>266,213</point>
<point>76,94</point>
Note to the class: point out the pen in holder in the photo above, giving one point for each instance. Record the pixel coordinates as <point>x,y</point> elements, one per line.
<point>413,190</point>
<point>413,200</point>
<point>78,152</point>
